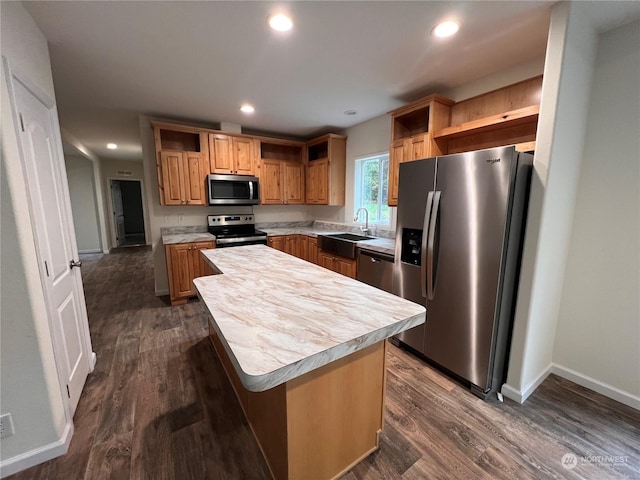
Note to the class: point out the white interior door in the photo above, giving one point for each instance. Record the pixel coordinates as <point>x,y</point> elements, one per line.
<point>118,211</point>
<point>51,217</point>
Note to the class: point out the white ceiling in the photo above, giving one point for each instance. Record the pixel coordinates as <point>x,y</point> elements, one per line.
<point>198,61</point>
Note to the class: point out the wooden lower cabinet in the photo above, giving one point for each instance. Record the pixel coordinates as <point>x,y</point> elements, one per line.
<point>291,245</point>
<point>313,250</point>
<point>336,263</point>
<point>184,263</point>
<point>306,247</point>
<point>319,425</point>
<point>301,246</point>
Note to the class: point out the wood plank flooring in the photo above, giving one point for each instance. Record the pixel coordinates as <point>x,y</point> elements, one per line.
<point>159,406</point>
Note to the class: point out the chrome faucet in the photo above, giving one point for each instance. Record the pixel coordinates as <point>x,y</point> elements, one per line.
<point>364,229</point>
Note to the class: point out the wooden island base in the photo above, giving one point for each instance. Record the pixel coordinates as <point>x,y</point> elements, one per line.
<point>321,424</point>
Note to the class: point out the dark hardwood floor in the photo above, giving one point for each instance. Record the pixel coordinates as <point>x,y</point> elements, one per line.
<point>158,406</point>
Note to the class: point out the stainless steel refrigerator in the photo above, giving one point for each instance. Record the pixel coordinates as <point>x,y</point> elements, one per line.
<point>459,236</point>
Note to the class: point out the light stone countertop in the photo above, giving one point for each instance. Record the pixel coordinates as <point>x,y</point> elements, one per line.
<point>173,238</point>
<point>280,317</point>
<point>378,244</point>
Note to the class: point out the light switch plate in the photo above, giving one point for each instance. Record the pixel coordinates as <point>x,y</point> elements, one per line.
<point>6,425</point>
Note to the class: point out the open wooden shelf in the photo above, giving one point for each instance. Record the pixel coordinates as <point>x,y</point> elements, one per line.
<point>513,118</point>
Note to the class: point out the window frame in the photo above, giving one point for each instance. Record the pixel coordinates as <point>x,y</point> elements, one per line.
<point>358,184</point>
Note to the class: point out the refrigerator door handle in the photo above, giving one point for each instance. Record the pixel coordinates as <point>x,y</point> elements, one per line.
<point>423,247</point>
<point>430,247</point>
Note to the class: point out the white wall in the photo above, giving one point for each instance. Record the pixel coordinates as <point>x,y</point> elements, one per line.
<point>29,387</point>
<point>368,138</point>
<point>598,335</point>
<point>568,71</point>
<point>82,192</point>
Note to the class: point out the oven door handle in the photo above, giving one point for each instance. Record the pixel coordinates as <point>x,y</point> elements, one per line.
<point>230,241</point>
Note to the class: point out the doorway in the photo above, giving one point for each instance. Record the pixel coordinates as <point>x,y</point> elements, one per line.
<point>128,216</point>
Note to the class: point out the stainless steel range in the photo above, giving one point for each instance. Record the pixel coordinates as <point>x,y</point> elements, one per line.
<point>235,230</point>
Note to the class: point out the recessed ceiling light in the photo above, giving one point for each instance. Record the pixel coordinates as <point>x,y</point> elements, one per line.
<point>445,29</point>
<point>112,146</point>
<point>246,108</point>
<point>350,112</point>
<point>280,22</point>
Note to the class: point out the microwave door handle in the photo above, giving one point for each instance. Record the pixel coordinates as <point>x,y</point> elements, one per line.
<point>250,190</point>
<point>423,247</point>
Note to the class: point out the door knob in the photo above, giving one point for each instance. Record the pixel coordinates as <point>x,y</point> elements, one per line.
<point>73,263</point>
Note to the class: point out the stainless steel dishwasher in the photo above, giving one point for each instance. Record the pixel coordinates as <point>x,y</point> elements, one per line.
<point>376,269</point>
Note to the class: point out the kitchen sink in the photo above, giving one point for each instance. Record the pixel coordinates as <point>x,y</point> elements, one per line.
<point>343,244</point>
<point>351,237</point>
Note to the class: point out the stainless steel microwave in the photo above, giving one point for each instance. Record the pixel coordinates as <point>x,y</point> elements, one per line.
<point>233,189</point>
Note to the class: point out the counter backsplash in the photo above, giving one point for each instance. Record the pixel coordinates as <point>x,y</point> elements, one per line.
<point>330,226</point>
<point>178,230</point>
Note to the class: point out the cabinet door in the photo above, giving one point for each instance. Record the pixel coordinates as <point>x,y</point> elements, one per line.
<point>277,242</point>
<point>322,179</point>
<point>293,183</point>
<point>325,260</point>
<point>291,245</point>
<point>220,153</point>
<point>313,250</point>
<point>345,266</point>
<point>244,153</point>
<point>398,153</point>
<point>172,168</point>
<point>194,178</point>
<point>312,183</point>
<point>181,270</point>
<point>420,147</point>
<point>303,247</point>
<point>200,266</point>
<point>271,192</point>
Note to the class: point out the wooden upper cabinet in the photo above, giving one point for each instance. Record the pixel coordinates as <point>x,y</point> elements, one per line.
<point>505,116</point>
<point>245,155</point>
<point>232,155</point>
<point>293,174</point>
<point>196,168</point>
<point>220,153</point>
<point>281,171</point>
<point>412,128</point>
<point>281,183</point>
<point>326,167</point>
<point>172,171</point>
<point>183,177</point>
<point>182,164</point>
<point>271,191</point>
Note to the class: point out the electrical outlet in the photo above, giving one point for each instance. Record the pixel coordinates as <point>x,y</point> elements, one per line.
<point>6,425</point>
<point>180,218</point>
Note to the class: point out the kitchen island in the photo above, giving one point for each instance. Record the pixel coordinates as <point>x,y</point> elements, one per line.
<point>304,349</point>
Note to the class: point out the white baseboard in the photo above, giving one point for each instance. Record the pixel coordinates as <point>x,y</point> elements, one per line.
<point>37,455</point>
<point>93,360</point>
<point>160,293</point>
<point>605,389</point>
<point>520,395</point>
<point>92,250</point>
<point>106,251</point>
